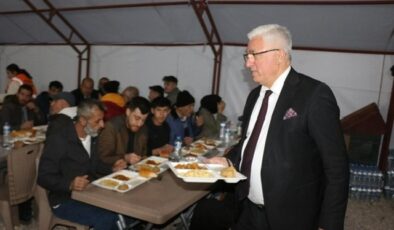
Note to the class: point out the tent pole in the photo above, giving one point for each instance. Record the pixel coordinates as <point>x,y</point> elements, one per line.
<point>65,30</point>
<point>389,128</point>
<point>200,8</point>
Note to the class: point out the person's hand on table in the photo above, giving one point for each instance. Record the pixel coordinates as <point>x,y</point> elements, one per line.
<point>132,158</point>
<point>79,183</point>
<point>32,106</point>
<point>119,165</point>
<point>164,150</point>
<point>27,125</point>
<point>156,152</point>
<point>167,148</point>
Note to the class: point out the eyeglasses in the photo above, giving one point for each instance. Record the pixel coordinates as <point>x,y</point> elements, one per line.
<point>247,56</point>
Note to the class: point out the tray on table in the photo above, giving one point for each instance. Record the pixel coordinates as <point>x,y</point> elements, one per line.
<point>205,173</point>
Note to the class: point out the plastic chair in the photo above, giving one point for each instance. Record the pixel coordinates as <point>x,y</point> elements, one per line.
<point>46,219</point>
<point>21,177</point>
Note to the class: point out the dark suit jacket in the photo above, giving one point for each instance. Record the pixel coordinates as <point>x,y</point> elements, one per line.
<point>305,169</point>
<point>79,96</point>
<point>64,158</point>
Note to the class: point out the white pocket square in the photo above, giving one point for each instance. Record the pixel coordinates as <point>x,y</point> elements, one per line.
<point>290,113</point>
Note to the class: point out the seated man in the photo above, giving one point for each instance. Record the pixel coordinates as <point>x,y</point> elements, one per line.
<point>211,111</point>
<point>112,100</point>
<point>181,121</point>
<point>64,103</point>
<point>124,138</point>
<point>20,111</point>
<point>129,93</point>
<point>155,91</point>
<point>158,129</point>
<point>70,162</point>
<point>85,91</point>
<point>171,88</point>
<point>44,99</point>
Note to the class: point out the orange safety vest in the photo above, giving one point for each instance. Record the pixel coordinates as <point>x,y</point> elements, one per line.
<point>25,80</point>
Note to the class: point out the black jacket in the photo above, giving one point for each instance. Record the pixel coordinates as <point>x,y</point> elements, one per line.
<point>11,112</point>
<point>79,96</point>
<point>64,158</point>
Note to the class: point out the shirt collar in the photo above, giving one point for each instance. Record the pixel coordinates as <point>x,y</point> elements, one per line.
<point>276,88</point>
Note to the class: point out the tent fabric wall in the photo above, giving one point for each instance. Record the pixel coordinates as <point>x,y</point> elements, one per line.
<point>356,79</point>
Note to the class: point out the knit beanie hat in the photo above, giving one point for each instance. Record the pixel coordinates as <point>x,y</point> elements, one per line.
<point>184,98</point>
<point>114,98</point>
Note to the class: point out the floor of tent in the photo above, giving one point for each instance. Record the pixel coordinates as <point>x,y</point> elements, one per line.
<point>360,215</point>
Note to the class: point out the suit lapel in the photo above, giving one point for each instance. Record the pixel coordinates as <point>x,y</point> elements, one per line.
<point>248,110</point>
<point>284,102</point>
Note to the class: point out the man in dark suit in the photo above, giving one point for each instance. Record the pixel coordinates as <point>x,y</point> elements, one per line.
<point>295,158</point>
<point>85,91</point>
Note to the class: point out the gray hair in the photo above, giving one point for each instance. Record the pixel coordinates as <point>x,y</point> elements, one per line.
<point>86,107</point>
<point>274,33</point>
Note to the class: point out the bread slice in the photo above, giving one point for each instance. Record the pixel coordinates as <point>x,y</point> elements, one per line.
<point>145,172</point>
<point>228,172</point>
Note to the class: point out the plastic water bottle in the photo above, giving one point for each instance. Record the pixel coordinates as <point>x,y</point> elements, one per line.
<point>239,128</point>
<point>222,130</point>
<point>175,156</point>
<point>227,135</point>
<point>178,144</point>
<point>6,136</point>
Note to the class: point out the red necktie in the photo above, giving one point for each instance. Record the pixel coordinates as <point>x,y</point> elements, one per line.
<point>251,146</point>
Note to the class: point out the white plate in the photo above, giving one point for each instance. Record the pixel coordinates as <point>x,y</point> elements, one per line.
<point>214,169</point>
<point>30,140</point>
<point>33,140</point>
<point>216,143</point>
<point>193,151</point>
<point>133,182</point>
<point>160,160</point>
<point>41,128</point>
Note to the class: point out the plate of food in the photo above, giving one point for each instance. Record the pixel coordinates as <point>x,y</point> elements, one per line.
<point>28,136</point>
<point>154,160</point>
<point>208,143</point>
<point>205,173</point>
<point>121,181</point>
<point>196,150</point>
<point>41,128</point>
<point>150,167</point>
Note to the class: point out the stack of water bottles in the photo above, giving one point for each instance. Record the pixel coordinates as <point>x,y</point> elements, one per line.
<point>389,186</point>
<point>366,182</point>
<point>229,132</point>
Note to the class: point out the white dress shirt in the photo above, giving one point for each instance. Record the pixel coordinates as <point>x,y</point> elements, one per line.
<point>86,142</point>
<point>256,188</point>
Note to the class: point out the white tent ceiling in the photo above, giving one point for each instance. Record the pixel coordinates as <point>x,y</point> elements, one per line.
<point>354,26</point>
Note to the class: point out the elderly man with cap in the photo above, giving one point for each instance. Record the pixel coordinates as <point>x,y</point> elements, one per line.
<point>62,107</point>
<point>180,119</point>
<point>155,91</point>
<point>171,88</point>
<point>63,103</point>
